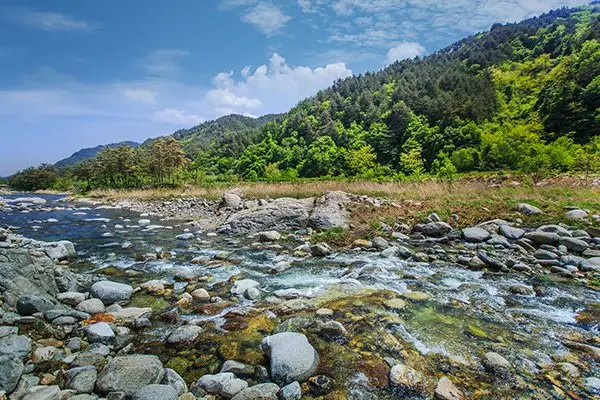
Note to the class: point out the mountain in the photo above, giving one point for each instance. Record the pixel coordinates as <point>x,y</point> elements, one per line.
<point>523,96</point>
<point>200,136</point>
<point>85,154</point>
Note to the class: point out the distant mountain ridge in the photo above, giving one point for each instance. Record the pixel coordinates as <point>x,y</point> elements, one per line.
<point>90,152</point>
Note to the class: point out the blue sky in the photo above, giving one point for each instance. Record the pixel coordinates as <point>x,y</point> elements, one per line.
<point>77,73</point>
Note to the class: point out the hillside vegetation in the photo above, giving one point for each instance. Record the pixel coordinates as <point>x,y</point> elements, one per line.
<point>522,97</point>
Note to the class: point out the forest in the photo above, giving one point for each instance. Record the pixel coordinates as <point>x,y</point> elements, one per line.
<point>523,98</point>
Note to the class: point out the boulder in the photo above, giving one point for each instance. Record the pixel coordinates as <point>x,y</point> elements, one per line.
<point>330,211</point>
<point>82,379</point>
<point>111,292</point>
<point>496,364</point>
<point>100,332</point>
<point>71,298</point>
<point>155,392</point>
<point>407,379</point>
<point>380,243</point>
<point>573,244</point>
<point>42,392</point>
<point>185,236</point>
<point>436,229</point>
<point>475,234</point>
<point>28,305</point>
<point>59,250</point>
<point>240,287</point>
<point>231,200</point>
<point>283,214</point>
<point>15,346</point>
<point>510,232</point>
<point>269,236</point>
<point>293,391</point>
<point>292,357</point>
<point>446,390</point>
<point>11,369</point>
<point>184,334</point>
<point>91,306</point>
<point>174,380</point>
<point>539,237</point>
<point>264,391</point>
<point>320,250</point>
<point>528,209</point>
<point>127,374</point>
<point>224,384</point>
<point>590,264</point>
<point>576,214</point>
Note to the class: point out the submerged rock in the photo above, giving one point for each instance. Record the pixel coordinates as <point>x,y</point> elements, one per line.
<point>446,390</point>
<point>224,384</point>
<point>406,378</point>
<point>291,356</point>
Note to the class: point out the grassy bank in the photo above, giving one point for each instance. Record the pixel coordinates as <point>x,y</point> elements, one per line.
<point>473,199</point>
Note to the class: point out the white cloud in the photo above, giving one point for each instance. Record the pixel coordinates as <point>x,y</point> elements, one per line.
<point>139,94</point>
<point>177,117</point>
<point>164,61</point>
<point>306,6</point>
<point>246,71</point>
<point>48,21</point>
<point>404,50</point>
<point>272,88</point>
<point>267,18</point>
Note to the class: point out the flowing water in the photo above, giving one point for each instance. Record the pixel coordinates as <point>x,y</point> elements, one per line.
<point>465,314</point>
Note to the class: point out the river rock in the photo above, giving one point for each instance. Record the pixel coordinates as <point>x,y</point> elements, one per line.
<point>510,232</point>
<point>11,369</point>
<point>15,346</point>
<point>231,200</point>
<point>573,244</point>
<point>82,379</point>
<point>185,236</point>
<point>25,383</point>
<point>283,214</point>
<point>330,211</point>
<point>144,222</point>
<point>200,295</point>
<point>406,378</point>
<point>291,356</point>
<point>100,332</point>
<point>43,393</point>
<point>380,243</point>
<point>592,385</point>
<point>293,391</point>
<point>264,391</point>
<point>28,305</point>
<point>184,334</point>
<point>43,354</point>
<point>129,373</point>
<point>436,229</point>
<point>475,234</point>
<point>59,250</point>
<point>174,380</point>
<point>224,384</point>
<point>528,209</point>
<point>576,214</point>
<point>155,392</point>
<point>71,298</point>
<point>591,264</point>
<point>446,390</point>
<point>320,250</point>
<point>91,306</point>
<point>269,236</point>
<point>497,364</point>
<point>539,237</point>
<point>111,292</point>
<point>237,368</point>
<point>240,287</point>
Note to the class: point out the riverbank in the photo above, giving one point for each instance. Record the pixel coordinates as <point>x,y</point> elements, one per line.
<point>503,309</point>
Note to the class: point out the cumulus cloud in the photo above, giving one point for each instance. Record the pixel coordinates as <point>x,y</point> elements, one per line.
<point>404,50</point>
<point>267,18</point>
<point>47,21</point>
<point>275,87</point>
<point>177,117</point>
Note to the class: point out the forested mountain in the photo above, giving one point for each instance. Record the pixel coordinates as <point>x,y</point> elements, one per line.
<point>522,97</point>
<point>231,128</point>
<point>86,154</point>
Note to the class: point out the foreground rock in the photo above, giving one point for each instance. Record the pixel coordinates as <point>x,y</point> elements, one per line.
<point>292,357</point>
<point>129,373</point>
<point>111,292</point>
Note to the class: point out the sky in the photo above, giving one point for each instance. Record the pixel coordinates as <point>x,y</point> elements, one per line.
<point>77,74</point>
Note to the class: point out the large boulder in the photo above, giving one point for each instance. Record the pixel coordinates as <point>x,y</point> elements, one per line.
<point>475,234</point>
<point>127,374</point>
<point>283,214</point>
<point>111,292</point>
<point>330,211</point>
<point>291,356</point>
<point>59,250</point>
<point>540,238</point>
<point>436,229</point>
<point>573,244</point>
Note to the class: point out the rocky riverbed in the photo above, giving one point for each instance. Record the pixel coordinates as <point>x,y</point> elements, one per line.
<point>133,300</point>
